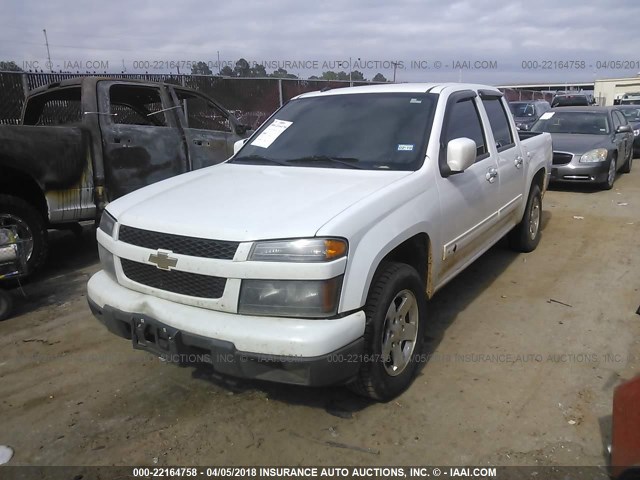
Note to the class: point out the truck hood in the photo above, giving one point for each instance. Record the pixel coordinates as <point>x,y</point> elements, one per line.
<point>578,144</point>
<point>249,202</point>
<point>525,119</point>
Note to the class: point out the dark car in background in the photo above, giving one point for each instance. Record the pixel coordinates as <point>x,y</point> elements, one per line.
<point>590,144</point>
<point>526,113</point>
<point>571,100</point>
<point>632,114</point>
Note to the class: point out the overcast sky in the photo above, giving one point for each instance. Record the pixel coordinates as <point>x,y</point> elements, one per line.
<point>504,34</point>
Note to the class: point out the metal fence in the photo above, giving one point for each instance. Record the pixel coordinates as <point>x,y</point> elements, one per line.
<point>517,95</point>
<point>251,99</point>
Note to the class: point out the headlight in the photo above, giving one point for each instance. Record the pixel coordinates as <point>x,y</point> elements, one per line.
<point>107,223</point>
<point>290,298</point>
<point>597,155</point>
<point>636,133</point>
<point>299,250</point>
<point>107,261</point>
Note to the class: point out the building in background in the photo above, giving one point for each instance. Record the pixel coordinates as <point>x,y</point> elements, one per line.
<point>610,91</point>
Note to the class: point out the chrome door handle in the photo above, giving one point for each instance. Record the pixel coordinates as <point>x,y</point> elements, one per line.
<point>492,174</point>
<point>518,162</point>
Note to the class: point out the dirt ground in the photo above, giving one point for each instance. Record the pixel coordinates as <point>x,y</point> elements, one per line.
<point>527,350</point>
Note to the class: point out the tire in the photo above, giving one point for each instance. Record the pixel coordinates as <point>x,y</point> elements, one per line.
<point>626,168</point>
<point>31,227</point>
<point>387,371</point>
<point>525,236</point>
<point>6,304</point>
<point>611,175</point>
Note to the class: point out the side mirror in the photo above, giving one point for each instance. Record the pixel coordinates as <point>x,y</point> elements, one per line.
<point>624,129</point>
<point>238,145</point>
<point>461,154</point>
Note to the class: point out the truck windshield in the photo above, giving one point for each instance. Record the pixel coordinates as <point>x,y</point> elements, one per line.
<point>522,109</point>
<point>365,131</point>
<point>573,122</point>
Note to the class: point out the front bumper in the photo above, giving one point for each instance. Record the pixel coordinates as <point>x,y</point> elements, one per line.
<point>580,172</point>
<point>285,350</point>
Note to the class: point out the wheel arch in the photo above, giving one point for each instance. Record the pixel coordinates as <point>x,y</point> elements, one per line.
<point>25,187</point>
<point>413,247</point>
<point>538,179</point>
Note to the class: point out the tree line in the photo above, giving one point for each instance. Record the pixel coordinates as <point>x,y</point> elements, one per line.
<point>243,69</point>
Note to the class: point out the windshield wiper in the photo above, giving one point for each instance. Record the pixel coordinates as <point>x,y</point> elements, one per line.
<point>257,159</point>
<point>346,161</point>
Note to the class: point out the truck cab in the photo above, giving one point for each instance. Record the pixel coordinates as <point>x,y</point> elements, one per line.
<point>86,141</point>
<point>309,256</point>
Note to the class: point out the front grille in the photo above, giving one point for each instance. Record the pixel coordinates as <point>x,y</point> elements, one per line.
<point>175,281</point>
<point>193,246</point>
<point>561,158</point>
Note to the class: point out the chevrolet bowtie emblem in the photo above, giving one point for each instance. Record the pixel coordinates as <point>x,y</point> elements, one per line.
<point>162,260</point>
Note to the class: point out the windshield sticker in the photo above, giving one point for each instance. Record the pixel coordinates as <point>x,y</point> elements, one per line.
<point>403,147</point>
<point>415,100</point>
<point>547,115</point>
<point>269,134</point>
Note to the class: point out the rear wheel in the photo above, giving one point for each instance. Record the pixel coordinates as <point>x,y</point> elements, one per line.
<point>626,168</point>
<point>30,226</point>
<point>396,317</point>
<point>525,236</point>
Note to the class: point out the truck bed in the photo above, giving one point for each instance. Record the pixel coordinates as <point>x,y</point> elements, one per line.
<point>53,156</point>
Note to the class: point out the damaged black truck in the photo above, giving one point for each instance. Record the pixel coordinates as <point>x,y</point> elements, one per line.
<point>84,142</point>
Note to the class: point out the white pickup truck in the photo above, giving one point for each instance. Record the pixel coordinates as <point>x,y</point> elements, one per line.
<point>309,256</point>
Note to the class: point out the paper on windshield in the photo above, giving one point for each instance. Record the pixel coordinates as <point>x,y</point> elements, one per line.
<point>405,147</point>
<point>547,115</point>
<point>271,133</point>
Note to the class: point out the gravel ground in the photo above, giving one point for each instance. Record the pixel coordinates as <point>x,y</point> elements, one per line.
<point>526,352</point>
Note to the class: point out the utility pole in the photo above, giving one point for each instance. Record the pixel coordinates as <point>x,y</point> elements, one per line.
<point>395,65</point>
<point>350,71</point>
<point>219,71</point>
<point>46,41</point>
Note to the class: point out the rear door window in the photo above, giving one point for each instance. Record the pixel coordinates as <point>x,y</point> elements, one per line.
<point>136,105</point>
<point>58,107</point>
<point>499,122</point>
<point>202,114</point>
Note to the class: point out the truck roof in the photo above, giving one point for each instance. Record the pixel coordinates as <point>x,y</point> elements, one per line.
<point>92,80</point>
<point>399,88</point>
<point>585,109</point>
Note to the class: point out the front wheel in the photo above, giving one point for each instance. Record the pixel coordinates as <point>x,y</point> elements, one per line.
<point>394,333</point>
<point>611,174</point>
<point>526,235</point>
